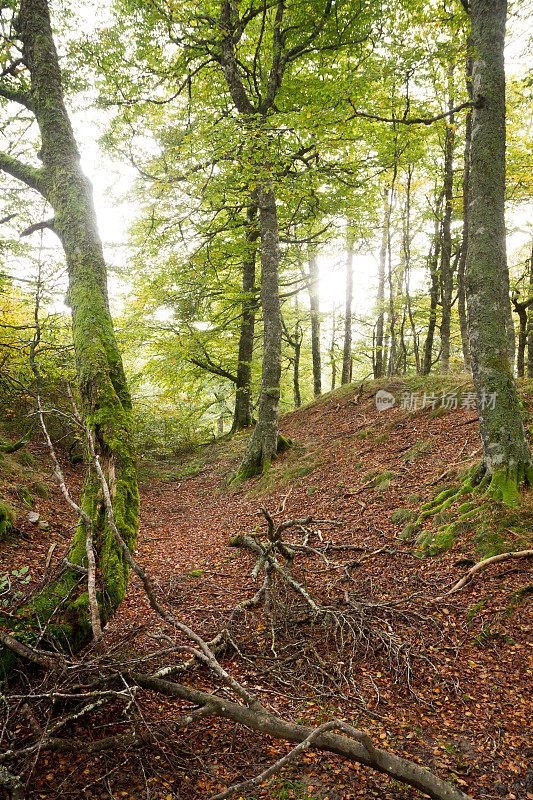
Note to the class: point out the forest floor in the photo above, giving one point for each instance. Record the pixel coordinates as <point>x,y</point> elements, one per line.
<point>451,690</point>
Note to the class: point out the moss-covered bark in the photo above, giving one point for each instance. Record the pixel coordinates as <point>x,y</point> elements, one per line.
<point>263,444</point>
<point>507,460</point>
<point>102,383</point>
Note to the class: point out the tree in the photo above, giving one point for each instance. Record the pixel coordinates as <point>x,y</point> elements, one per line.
<point>102,384</point>
<point>507,461</point>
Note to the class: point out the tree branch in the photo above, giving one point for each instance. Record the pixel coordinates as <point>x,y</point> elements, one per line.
<point>32,177</point>
<point>479,103</point>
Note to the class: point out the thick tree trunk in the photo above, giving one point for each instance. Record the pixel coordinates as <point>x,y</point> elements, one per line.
<point>314,302</point>
<point>506,454</point>
<point>296,366</point>
<point>347,349</point>
<point>380,299</point>
<point>263,444</point>
<point>242,417</point>
<point>461,294</point>
<point>102,384</point>
<point>446,273</point>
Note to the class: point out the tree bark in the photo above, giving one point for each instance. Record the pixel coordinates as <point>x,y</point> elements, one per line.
<point>507,457</point>
<point>347,349</point>
<point>315,321</point>
<point>102,384</point>
<point>263,444</point>
<point>380,299</point>
<point>461,294</point>
<point>433,292</point>
<point>530,321</point>
<point>446,273</point>
<point>242,417</point>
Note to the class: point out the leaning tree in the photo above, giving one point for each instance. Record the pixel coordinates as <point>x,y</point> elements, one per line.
<point>32,80</point>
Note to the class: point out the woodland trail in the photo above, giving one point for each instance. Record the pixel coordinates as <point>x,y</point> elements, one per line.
<point>468,663</point>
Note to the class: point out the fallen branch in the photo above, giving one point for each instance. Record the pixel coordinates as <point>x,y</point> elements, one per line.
<point>266,723</point>
<point>481,565</point>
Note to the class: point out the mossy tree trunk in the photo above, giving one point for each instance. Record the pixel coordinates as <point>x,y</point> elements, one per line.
<point>242,417</point>
<point>102,384</point>
<point>507,457</point>
<point>263,444</point>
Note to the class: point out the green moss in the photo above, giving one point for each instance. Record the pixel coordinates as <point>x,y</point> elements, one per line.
<point>26,496</point>
<point>8,519</point>
<point>40,489</point>
<point>402,515</point>
<point>417,449</point>
<point>408,531</point>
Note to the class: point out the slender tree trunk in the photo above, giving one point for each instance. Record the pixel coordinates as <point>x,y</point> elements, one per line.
<point>332,358</point>
<point>104,393</point>
<point>520,309</point>
<point>446,274</point>
<point>433,292</point>
<point>380,299</point>
<point>507,457</point>
<point>242,417</point>
<point>407,268</point>
<point>347,349</point>
<point>315,321</point>
<point>461,294</point>
<point>530,322</point>
<point>263,444</point>
<point>297,341</point>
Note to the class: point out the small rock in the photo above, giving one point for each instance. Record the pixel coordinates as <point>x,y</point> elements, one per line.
<point>43,525</point>
<point>33,517</point>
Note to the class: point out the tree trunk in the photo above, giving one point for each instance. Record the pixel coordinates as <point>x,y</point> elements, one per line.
<point>446,273</point>
<point>104,393</point>
<point>380,300</point>
<point>242,417</point>
<point>530,322</point>
<point>461,294</point>
<point>332,358</point>
<point>433,293</point>
<point>347,349</point>
<point>314,302</point>
<point>296,370</point>
<point>407,269</point>
<point>507,457</point>
<point>520,309</point>
<point>263,444</point>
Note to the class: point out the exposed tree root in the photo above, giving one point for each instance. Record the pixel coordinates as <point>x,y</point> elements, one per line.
<point>481,565</point>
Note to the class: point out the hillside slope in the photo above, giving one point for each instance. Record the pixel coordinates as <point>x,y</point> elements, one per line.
<point>446,683</point>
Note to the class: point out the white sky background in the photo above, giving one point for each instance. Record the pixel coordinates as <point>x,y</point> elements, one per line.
<point>113,182</point>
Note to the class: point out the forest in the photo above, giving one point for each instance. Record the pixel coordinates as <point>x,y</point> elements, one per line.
<point>266,399</point>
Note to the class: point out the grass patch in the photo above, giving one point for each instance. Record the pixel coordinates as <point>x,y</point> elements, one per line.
<point>402,515</point>
<point>416,450</point>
